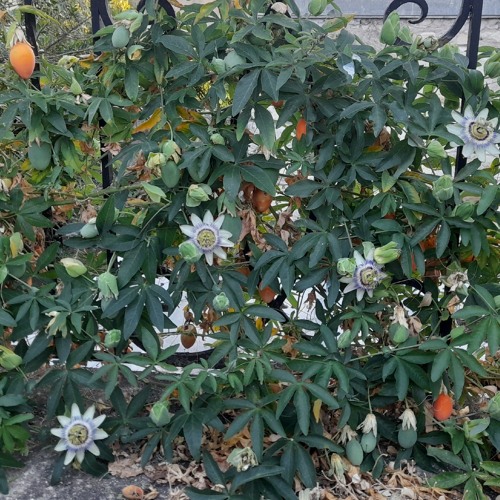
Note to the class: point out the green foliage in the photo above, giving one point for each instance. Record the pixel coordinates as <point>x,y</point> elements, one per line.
<point>200,115</point>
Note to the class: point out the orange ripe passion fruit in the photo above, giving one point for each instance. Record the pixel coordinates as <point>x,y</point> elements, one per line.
<point>22,59</point>
<point>443,407</point>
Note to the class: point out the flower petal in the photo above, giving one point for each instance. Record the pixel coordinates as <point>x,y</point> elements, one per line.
<point>483,114</point>
<point>493,122</point>
<point>455,129</point>
<point>94,449</point>
<point>225,234</point>
<point>196,220</point>
<point>100,434</point>
<point>63,420</point>
<point>61,445</point>
<point>188,230</point>
<point>350,287</point>
<point>468,149</point>
<point>359,294</point>
<point>209,257</point>
<point>359,259</point>
<point>99,420</point>
<point>220,253</point>
<point>80,455</point>
<point>219,221</point>
<point>89,413</point>
<point>225,243</point>
<point>208,218</point>
<point>468,113</point>
<point>75,411</point>
<point>70,455</point>
<point>57,432</point>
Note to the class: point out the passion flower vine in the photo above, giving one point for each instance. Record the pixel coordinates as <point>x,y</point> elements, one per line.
<point>78,433</point>
<point>208,236</point>
<point>477,133</point>
<point>367,274</point>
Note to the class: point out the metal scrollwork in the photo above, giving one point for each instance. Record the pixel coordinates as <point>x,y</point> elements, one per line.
<point>470,10</point>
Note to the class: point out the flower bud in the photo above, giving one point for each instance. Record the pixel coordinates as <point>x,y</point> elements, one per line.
<point>387,253</point>
<point>436,150</point>
<point>242,459</point>
<point>464,211</point>
<point>73,267</point>
<point>90,229</point>
<point>159,413</point>
<point>217,139</point>
<point>442,189</point>
<point>171,150</point>
<point>218,65</point>
<point>112,338</point>
<point>189,251</point>
<point>155,160</point>
<point>9,359</point>
<point>221,302</point>
<point>197,193</point>
<point>108,286</point>
<point>346,266</point>
<point>344,340</point>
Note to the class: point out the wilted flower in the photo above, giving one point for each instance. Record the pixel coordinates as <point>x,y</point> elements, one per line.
<point>442,188</point>
<point>242,459</point>
<point>108,286</point>
<point>221,302</point>
<point>387,253</point>
<point>367,275</point>
<point>78,433</point>
<point>346,266</point>
<point>112,338</point>
<point>399,316</point>
<point>337,468</point>
<point>369,424</point>
<point>197,193</point>
<point>73,267</point>
<point>279,7</point>
<point>457,282</point>
<point>159,413</point>
<point>155,160</point>
<point>409,420</point>
<point>426,300</point>
<point>346,434</point>
<point>476,132</point>
<point>208,236</point>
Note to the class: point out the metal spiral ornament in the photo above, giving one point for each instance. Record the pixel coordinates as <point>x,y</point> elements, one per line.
<point>470,10</point>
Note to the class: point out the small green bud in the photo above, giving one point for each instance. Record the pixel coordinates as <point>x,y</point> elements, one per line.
<point>387,253</point>
<point>436,150</point>
<point>442,189</point>
<point>344,340</point>
<point>218,65</point>
<point>390,29</point>
<point>217,139</point>
<point>189,251</point>
<point>171,150</point>
<point>242,459</point>
<point>346,266</point>
<point>90,229</point>
<point>73,267</point>
<point>108,286</point>
<point>464,211</point>
<point>159,413</point>
<point>221,302</point>
<point>197,193</point>
<point>9,359</point>
<point>112,338</point>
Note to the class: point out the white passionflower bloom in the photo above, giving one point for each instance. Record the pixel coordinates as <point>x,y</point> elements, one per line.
<point>477,133</point>
<point>78,433</point>
<point>369,424</point>
<point>367,275</point>
<point>208,236</point>
<point>409,420</point>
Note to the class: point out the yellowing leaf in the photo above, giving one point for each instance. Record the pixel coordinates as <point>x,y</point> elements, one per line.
<point>147,125</point>
<point>317,409</point>
<point>16,244</point>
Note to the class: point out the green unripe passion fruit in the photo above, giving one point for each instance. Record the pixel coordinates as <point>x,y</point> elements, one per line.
<point>407,437</point>
<point>354,452</point>
<point>120,37</point>
<point>233,59</point>
<point>170,174</point>
<point>40,155</point>
<point>368,442</point>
